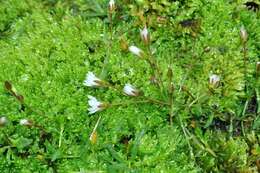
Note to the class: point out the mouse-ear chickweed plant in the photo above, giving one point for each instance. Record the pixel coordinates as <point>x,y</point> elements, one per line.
<point>168,86</point>
<point>163,82</point>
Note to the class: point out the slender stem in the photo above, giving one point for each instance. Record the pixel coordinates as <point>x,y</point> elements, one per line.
<point>245,64</point>
<point>104,69</point>
<point>127,103</point>
<point>113,87</point>
<point>171,110</point>
<point>64,157</point>
<point>187,138</point>
<point>39,127</point>
<point>245,107</point>
<point>243,128</point>
<point>147,99</point>
<point>171,89</point>
<point>61,134</point>
<point>188,92</point>
<point>231,127</point>
<point>196,141</point>
<point>34,110</point>
<point>156,101</point>
<point>7,138</point>
<point>155,67</point>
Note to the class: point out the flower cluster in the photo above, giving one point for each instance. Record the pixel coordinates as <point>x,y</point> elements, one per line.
<point>95,105</point>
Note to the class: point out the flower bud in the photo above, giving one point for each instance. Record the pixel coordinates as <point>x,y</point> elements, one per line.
<point>243,34</point>
<point>123,44</point>
<point>169,73</point>
<point>214,80</point>
<point>25,122</point>
<point>153,80</point>
<point>145,35</point>
<point>112,5</point>
<point>3,121</point>
<point>136,51</point>
<point>171,88</point>
<point>258,67</point>
<point>130,90</point>
<point>8,86</point>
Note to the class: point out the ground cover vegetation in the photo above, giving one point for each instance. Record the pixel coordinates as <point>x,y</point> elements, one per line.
<point>129,86</point>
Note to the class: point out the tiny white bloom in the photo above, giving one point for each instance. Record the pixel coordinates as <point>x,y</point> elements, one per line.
<point>258,63</point>
<point>111,5</point>
<point>136,51</point>
<point>214,79</point>
<point>3,121</point>
<point>94,104</point>
<point>145,35</point>
<point>25,122</point>
<point>91,80</point>
<point>130,90</point>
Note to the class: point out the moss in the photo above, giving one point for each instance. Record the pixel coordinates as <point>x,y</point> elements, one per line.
<point>47,47</point>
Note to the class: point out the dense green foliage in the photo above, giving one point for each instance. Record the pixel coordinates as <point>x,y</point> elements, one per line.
<point>48,46</point>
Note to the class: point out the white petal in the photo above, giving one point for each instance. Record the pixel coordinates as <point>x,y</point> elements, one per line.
<point>214,79</point>
<point>94,104</point>
<point>144,33</point>
<point>91,80</point>
<point>111,4</point>
<point>24,122</point>
<point>130,90</point>
<point>3,120</point>
<point>135,50</point>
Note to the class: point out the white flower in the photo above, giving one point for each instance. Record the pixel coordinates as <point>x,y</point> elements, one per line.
<point>3,121</point>
<point>94,104</point>
<point>214,79</point>
<point>25,122</point>
<point>130,90</point>
<point>91,80</point>
<point>111,5</point>
<point>135,50</point>
<point>145,35</point>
